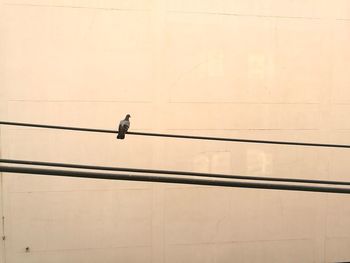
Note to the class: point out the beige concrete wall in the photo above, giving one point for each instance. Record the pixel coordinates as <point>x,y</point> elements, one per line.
<point>276,69</point>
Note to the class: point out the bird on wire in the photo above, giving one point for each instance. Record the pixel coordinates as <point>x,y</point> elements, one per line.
<point>123,127</point>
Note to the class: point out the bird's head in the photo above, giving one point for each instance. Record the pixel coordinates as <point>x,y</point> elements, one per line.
<point>127,116</point>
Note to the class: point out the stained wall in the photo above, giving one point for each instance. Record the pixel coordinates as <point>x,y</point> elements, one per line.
<point>276,69</point>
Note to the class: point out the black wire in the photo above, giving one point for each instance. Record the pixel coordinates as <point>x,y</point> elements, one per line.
<point>182,173</point>
<point>177,135</point>
<point>163,179</point>
<point>56,127</point>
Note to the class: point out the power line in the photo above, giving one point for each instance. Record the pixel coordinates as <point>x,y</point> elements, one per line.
<point>176,135</point>
<point>168,172</point>
<point>163,179</point>
<point>56,127</point>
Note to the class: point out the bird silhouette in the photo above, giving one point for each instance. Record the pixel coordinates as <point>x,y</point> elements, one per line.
<point>123,127</point>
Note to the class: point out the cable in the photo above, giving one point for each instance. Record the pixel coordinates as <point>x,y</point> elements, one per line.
<point>160,179</point>
<point>56,127</point>
<point>183,173</point>
<point>177,135</point>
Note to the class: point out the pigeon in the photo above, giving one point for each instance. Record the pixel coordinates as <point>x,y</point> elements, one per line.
<point>123,127</point>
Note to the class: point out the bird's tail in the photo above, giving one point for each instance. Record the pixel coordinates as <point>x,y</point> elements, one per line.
<point>121,135</point>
